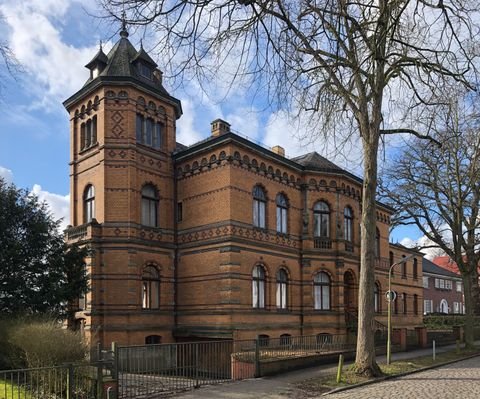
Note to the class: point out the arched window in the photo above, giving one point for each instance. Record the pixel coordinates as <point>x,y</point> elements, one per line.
<point>263,340</point>
<point>415,268</point>
<point>415,304</point>
<point>321,291</point>
<point>259,206</point>
<point>153,340</point>
<point>324,339</point>
<point>281,214</point>
<point>149,206</point>
<point>89,204</point>
<point>285,339</point>
<point>348,224</point>
<point>150,288</point>
<point>404,268</point>
<point>376,295</point>
<point>377,243</point>
<point>321,219</point>
<point>282,287</point>
<point>258,287</point>
<point>391,261</point>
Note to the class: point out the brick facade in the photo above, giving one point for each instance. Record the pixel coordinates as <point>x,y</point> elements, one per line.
<point>206,255</point>
<point>442,290</point>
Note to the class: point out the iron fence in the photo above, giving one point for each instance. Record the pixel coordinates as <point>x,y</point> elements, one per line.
<point>162,369</point>
<point>158,370</point>
<point>59,382</point>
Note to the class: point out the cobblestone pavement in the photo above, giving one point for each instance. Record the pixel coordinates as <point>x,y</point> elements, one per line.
<point>458,380</point>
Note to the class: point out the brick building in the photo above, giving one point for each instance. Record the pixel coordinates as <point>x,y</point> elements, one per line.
<point>224,239</point>
<point>442,290</point>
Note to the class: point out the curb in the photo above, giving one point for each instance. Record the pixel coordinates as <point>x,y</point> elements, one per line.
<point>391,377</point>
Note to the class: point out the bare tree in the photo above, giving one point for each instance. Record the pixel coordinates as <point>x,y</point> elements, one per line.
<point>9,65</point>
<point>438,190</point>
<point>336,60</point>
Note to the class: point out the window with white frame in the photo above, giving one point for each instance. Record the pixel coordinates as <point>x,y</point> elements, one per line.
<point>89,204</point>
<point>448,284</point>
<point>281,213</point>
<point>259,206</point>
<point>282,281</point>
<point>150,288</point>
<point>425,282</point>
<point>321,219</point>
<point>149,206</point>
<point>258,287</point>
<point>321,291</point>
<point>459,286</point>
<point>456,307</point>
<point>148,132</point>
<point>348,224</point>
<point>427,306</point>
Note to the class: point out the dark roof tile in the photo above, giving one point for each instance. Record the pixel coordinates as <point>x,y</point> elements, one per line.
<point>314,160</point>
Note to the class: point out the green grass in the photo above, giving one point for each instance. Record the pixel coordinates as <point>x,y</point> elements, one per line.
<point>328,381</point>
<point>12,391</point>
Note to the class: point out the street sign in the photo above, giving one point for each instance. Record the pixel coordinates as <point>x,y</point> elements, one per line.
<point>391,296</point>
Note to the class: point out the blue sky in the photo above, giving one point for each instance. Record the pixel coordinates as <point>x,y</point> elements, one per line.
<point>53,40</point>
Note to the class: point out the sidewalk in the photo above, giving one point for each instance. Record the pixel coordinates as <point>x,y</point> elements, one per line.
<point>282,386</point>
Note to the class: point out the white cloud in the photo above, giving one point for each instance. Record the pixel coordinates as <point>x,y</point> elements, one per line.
<point>186,131</point>
<point>244,120</point>
<point>423,241</point>
<point>35,36</point>
<point>298,136</point>
<point>6,174</point>
<point>58,204</point>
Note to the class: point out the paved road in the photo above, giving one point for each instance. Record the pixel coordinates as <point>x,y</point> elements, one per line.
<point>458,380</point>
<point>283,386</point>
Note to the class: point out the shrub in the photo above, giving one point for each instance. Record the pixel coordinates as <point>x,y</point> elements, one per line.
<point>46,343</point>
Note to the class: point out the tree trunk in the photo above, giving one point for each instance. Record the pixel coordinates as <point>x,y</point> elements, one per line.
<point>365,363</point>
<point>471,292</point>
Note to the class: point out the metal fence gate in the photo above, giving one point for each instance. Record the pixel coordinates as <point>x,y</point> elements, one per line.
<point>151,371</point>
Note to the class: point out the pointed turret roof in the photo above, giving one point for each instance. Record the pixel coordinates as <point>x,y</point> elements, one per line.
<point>99,58</point>
<point>143,55</point>
<point>122,67</point>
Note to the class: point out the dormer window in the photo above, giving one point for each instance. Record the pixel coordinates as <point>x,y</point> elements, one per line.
<point>95,72</point>
<point>145,70</point>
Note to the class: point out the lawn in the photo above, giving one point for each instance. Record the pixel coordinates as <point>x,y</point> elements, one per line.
<point>328,381</point>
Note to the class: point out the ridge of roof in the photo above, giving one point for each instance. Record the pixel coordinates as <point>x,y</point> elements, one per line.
<point>99,57</point>
<point>315,160</point>
<point>143,55</point>
<point>430,267</point>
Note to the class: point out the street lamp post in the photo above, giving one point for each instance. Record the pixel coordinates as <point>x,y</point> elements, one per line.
<point>390,299</point>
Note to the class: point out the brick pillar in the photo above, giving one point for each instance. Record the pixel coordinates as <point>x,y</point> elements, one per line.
<point>459,333</point>
<point>422,336</point>
<point>400,338</point>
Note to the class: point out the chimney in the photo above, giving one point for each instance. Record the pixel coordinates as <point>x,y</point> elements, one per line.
<point>220,127</point>
<point>279,150</point>
<point>158,75</point>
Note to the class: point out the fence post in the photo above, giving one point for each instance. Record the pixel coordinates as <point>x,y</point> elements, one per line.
<point>99,380</point>
<point>70,382</point>
<point>257,357</point>
<point>196,365</point>
<point>115,372</point>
